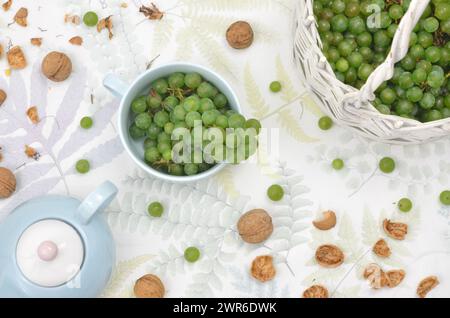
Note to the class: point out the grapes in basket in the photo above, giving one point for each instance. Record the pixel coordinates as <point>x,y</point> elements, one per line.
<point>187,126</point>
<point>355,44</point>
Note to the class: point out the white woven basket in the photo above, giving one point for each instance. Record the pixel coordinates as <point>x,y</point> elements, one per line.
<point>347,105</point>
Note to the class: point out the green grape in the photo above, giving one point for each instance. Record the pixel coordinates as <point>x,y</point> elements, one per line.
<point>364,71</point>
<point>404,107</point>
<point>154,100</point>
<point>169,127</point>
<point>408,63</point>
<point>209,117</point>
<point>275,86</point>
<point>355,59</point>
<point>192,254</point>
<point>176,169</point>
<point>82,166</point>
<point>253,123</point>
<point>222,121</point>
<point>190,169</point>
<point>206,104</point>
<point>417,51</point>
<point>325,123</point>
<point>433,115</point>
<point>139,105</point>
<point>364,39</point>
<point>338,6</point>
<point>414,94</point>
<point>442,11</point>
<point>431,24</point>
<point>192,118</point>
<point>405,81</point>
<point>384,109</point>
<point>143,121</point>
<point>275,192</point>
<point>176,80</point>
<point>160,86</point>
<point>135,132</point>
<point>342,65</point>
<point>170,102</point>
<point>152,154</point>
<point>352,9</point>
<point>205,90</point>
<point>164,146</point>
<point>405,205</point>
<point>192,103</point>
<point>395,11</point>
<point>236,121</point>
<point>220,101</point>
<point>445,197</point>
<point>90,18</point>
<point>337,164</point>
<point>148,142</point>
<point>163,137</point>
<point>387,165</point>
<point>179,112</point>
<point>419,76</point>
<point>323,26</point>
<point>193,80</point>
<point>155,209</point>
<point>356,25</point>
<point>388,96</point>
<point>339,23</point>
<point>433,54</point>
<point>427,101</point>
<point>153,131</point>
<point>86,122</point>
<point>161,118</point>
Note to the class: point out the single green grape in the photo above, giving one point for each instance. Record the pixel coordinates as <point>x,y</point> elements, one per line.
<point>253,123</point>
<point>236,121</point>
<point>90,18</point>
<point>222,121</point>
<point>192,254</point>
<point>136,132</point>
<point>161,118</point>
<point>445,197</point>
<point>148,142</point>
<point>143,121</point>
<point>205,90</point>
<point>275,192</point>
<point>169,127</point>
<point>405,205</point>
<point>176,80</point>
<point>275,86</point>
<point>387,165</point>
<point>160,86</point>
<point>86,122</point>
<point>152,154</point>
<point>155,209</point>
<point>190,169</point>
<point>209,117</point>
<point>192,118</point>
<point>206,104</point>
<point>154,100</point>
<point>176,169</point>
<point>170,102</point>
<point>139,105</point>
<point>82,166</point>
<point>220,100</point>
<point>191,104</point>
<point>325,123</point>
<point>193,80</point>
<point>337,164</point>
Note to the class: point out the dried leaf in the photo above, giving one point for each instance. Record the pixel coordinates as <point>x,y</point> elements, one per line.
<point>16,58</point>
<point>36,41</point>
<point>33,115</point>
<point>74,19</point>
<point>106,23</point>
<point>152,12</point>
<point>21,17</point>
<point>32,153</point>
<point>7,5</point>
<point>76,40</point>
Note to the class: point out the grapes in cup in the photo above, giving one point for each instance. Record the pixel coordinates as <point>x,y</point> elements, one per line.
<point>187,126</point>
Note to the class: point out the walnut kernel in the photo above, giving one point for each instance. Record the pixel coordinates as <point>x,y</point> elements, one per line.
<point>329,256</point>
<point>395,230</point>
<point>149,286</point>
<point>76,40</point>
<point>262,268</point>
<point>16,58</point>
<point>376,276</point>
<point>316,291</point>
<point>36,41</point>
<point>7,183</point>
<point>426,285</point>
<point>240,35</point>
<point>395,277</point>
<point>255,226</point>
<point>56,66</point>
<point>381,249</point>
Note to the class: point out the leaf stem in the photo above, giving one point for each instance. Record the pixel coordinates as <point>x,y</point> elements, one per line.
<point>282,107</point>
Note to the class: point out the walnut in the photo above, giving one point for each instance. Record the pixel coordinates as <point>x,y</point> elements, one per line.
<point>149,286</point>
<point>255,226</point>
<point>6,5</point>
<point>2,96</point>
<point>329,256</point>
<point>76,40</point>
<point>263,269</point>
<point>21,17</point>
<point>36,41</point>
<point>16,58</point>
<point>376,276</point>
<point>426,285</point>
<point>240,35</point>
<point>327,222</point>
<point>7,183</point>
<point>33,115</point>
<point>74,19</point>
<point>395,230</point>
<point>316,291</point>
<point>105,23</point>
<point>381,249</point>
<point>56,66</point>
<point>395,277</point>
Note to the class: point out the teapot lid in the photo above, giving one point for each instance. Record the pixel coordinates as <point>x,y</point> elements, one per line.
<point>50,253</point>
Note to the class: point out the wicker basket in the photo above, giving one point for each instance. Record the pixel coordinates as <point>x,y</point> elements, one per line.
<point>351,107</point>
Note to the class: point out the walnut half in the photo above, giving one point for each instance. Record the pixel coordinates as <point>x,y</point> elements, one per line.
<point>316,291</point>
<point>395,230</point>
<point>262,268</point>
<point>381,249</point>
<point>329,256</point>
<point>378,278</point>
<point>426,285</point>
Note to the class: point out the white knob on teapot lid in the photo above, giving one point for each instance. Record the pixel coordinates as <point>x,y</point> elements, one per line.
<point>47,251</point>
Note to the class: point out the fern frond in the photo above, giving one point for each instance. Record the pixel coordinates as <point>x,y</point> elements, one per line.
<point>291,124</point>
<point>254,96</point>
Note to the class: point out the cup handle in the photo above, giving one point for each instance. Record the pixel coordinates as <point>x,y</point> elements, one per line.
<point>115,85</point>
<point>97,201</point>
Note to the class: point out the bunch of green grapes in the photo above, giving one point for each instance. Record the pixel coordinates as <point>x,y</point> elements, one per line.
<point>420,87</point>
<point>354,41</point>
<point>181,118</point>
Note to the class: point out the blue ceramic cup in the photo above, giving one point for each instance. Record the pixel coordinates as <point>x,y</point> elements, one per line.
<point>140,87</point>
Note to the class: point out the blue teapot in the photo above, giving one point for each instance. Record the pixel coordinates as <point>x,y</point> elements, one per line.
<point>56,246</point>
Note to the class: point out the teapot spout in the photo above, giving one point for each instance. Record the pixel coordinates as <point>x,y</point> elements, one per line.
<point>97,201</point>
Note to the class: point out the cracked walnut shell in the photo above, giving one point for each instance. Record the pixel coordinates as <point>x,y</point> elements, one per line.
<point>316,291</point>
<point>255,226</point>
<point>329,256</point>
<point>262,268</point>
<point>240,35</point>
<point>149,286</point>
<point>21,17</point>
<point>2,96</point>
<point>395,277</point>
<point>395,230</point>
<point>426,285</point>
<point>376,276</point>
<point>381,249</point>
<point>327,222</point>
<point>56,66</point>
<point>7,183</point>
<point>16,58</point>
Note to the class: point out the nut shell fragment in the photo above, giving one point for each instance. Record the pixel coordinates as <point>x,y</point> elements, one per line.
<point>329,256</point>
<point>395,230</point>
<point>7,183</point>
<point>262,268</point>
<point>426,285</point>
<point>381,249</point>
<point>56,66</point>
<point>6,5</point>
<point>76,40</point>
<point>327,222</point>
<point>21,17</point>
<point>395,277</point>
<point>240,35</point>
<point>255,226</point>
<point>33,115</point>
<point>2,96</point>
<point>36,41</point>
<point>376,276</point>
<point>16,58</point>
<point>316,291</point>
<point>149,286</point>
